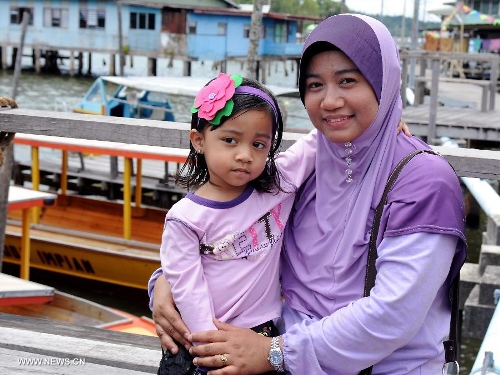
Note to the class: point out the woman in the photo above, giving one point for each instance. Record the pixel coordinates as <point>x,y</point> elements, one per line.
<point>350,85</point>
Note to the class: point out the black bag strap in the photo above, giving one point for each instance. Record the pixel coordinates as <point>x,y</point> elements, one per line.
<point>371,272</point>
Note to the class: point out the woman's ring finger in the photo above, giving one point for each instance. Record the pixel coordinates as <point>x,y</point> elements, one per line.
<point>223,359</point>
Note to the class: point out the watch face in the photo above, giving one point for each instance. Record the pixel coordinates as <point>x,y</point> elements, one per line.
<point>275,358</point>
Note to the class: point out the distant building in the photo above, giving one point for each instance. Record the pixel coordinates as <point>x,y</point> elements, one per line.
<point>186,30</point>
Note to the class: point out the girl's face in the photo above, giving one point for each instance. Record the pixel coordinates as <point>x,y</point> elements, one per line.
<point>236,152</point>
<point>339,100</point>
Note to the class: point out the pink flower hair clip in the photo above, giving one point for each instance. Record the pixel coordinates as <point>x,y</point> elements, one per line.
<point>215,100</point>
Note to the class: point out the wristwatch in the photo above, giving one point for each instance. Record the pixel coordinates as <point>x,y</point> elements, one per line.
<point>276,355</point>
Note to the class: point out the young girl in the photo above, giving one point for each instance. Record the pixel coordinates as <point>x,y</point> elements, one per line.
<point>221,244</point>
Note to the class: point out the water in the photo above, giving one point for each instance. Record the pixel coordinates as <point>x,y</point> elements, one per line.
<point>52,92</point>
<point>49,92</point>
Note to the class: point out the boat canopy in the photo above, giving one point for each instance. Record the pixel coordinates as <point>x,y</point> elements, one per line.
<point>187,86</point>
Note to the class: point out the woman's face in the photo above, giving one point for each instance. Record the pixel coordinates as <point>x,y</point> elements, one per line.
<point>339,100</point>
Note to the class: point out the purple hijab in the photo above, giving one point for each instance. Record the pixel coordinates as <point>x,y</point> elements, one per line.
<point>326,240</point>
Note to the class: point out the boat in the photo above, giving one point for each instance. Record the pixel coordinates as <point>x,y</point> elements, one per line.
<point>84,237</point>
<point>147,97</point>
<point>27,298</point>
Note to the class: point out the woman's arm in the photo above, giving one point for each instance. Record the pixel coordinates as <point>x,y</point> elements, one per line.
<point>168,321</point>
<point>411,270</point>
<point>298,162</point>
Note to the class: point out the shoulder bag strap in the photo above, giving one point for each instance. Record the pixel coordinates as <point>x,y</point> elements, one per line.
<point>371,272</point>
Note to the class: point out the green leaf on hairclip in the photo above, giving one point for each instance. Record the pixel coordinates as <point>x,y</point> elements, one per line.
<point>238,79</point>
<point>194,110</point>
<point>226,111</point>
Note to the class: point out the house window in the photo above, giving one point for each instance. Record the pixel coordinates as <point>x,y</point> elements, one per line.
<point>280,33</point>
<point>55,17</point>
<point>192,28</point>
<point>142,21</point>
<point>16,15</point>
<point>92,18</point>
<point>246,31</point>
<point>494,9</point>
<point>221,28</point>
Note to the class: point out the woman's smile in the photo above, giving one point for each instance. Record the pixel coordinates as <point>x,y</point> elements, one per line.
<point>338,121</point>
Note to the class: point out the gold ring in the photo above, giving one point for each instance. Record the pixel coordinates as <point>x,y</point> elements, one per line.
<point>223,359</point>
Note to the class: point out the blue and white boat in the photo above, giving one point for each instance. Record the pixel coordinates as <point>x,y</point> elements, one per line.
<point>146,97</point>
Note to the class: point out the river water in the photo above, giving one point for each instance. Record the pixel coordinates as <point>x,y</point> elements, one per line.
<point>62,92</point>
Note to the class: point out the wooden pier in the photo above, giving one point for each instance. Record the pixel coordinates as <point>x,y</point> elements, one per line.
<point>479,123</point>
<point>456,123</point>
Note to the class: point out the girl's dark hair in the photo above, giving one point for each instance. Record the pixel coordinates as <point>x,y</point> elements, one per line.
<point>195,173</point>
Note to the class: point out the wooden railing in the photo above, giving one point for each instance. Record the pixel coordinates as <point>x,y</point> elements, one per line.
<point>467,162</point>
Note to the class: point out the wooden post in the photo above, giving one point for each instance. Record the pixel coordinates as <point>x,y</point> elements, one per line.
<point>404,81</point>
<point>493,82</point>
<point>25,244</point>
<point>112,69</point>
<point>127,199</point>
<point>72,63</point>
<point>5,169</point>
<point>64,172</point>
<point>186,72</point>
<point>431,127</point>
<point>35,179</point>
<point>38,56</point>
<point>89,63</point>
<point>3,52</point>
<point>138,183</point>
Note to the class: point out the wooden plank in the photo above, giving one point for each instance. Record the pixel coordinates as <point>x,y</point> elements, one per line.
<point>15,288</point>
<point>102,351</point>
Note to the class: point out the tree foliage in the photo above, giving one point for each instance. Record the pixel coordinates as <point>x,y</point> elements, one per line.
<point>326,8</point>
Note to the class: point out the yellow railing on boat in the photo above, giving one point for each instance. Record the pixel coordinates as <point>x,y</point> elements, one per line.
<point>125,150</point>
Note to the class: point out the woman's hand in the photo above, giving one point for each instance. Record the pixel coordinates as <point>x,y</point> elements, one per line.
<point>402,126</point>
<point>169,324</point>
<point>246,351</point>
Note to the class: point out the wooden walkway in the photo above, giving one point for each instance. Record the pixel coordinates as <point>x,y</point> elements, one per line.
<point>457,123</point>
<point>29,345</point>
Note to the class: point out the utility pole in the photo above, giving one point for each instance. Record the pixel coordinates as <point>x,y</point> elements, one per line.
<point>403,25</point>
<point>381,10</point>
<point>342,7</point>
<point>120,37</point>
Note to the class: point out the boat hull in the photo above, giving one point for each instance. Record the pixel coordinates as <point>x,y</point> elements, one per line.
<point>83,237</point>
<point>26,298</point>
